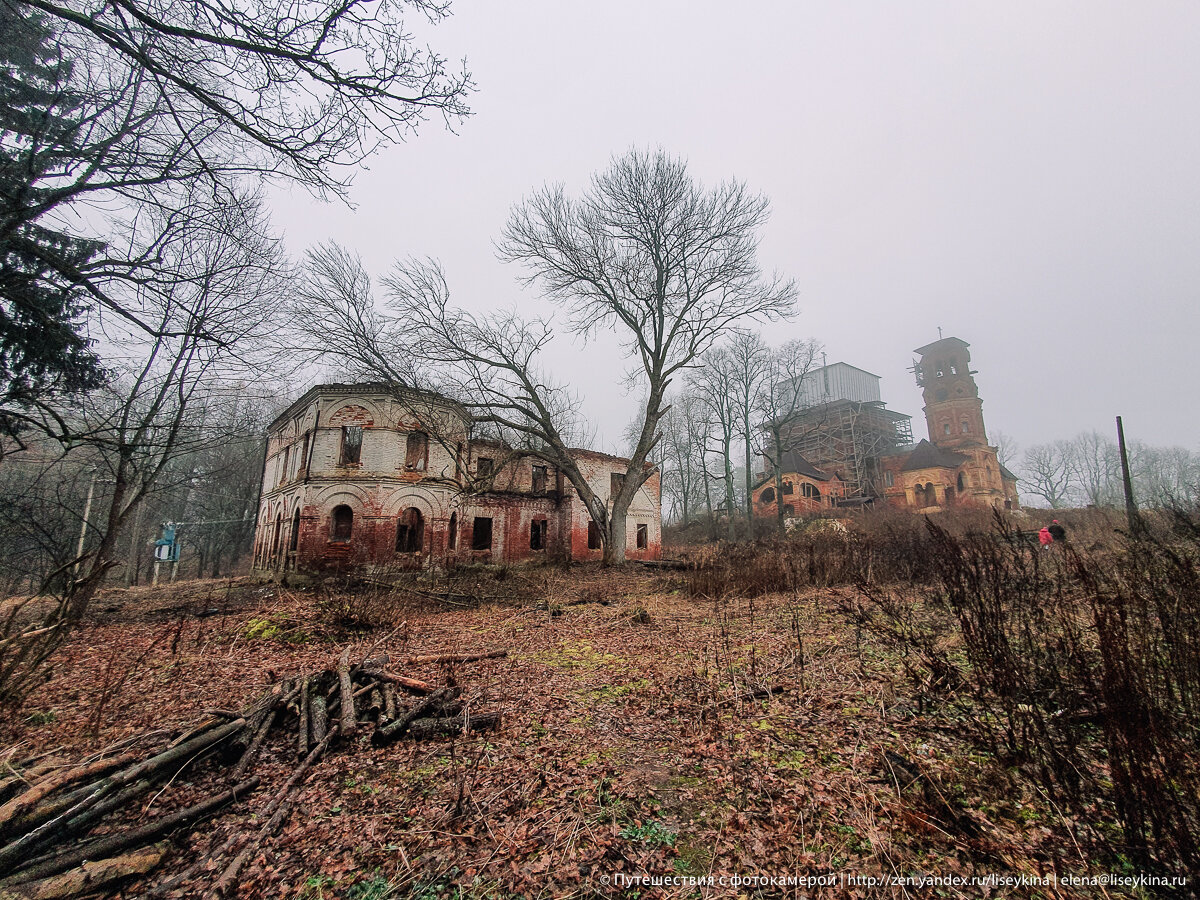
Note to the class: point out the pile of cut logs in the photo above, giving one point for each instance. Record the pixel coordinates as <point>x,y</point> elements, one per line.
<point>48,813</point>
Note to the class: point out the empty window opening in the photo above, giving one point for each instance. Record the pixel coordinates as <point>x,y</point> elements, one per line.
<point>965,427</point>
<point>294,543</point>
<point>302,458</point>
<point>539,479</point>
<point>946,427</point>
<point>341,524</point>
<point>811,491</point>
<point>616,481</point>
<point>351,445</point>
<point>452,537</point>
<point>889,479</point>
<point>537,534</point>
<point>593,536</point>
<point>283,465</point>
<point>787,487</point>
<point>484,466</point>
<point>481,534</point>
<point>416,451</point>
<point>768,496</point>
<point>643,536</point>
<point>961,481</point>
<point>410,531</point>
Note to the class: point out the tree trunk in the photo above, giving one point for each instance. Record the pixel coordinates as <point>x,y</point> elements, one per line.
<point>614,547</point>
<point>777,435</point>
<point>749,476</point>
<point>730,501</point>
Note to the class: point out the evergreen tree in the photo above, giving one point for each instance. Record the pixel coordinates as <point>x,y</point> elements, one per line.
<point>44,349</point>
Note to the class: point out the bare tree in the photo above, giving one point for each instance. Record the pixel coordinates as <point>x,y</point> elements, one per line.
<point>685,429</point>
<point>751,361</point>
<point>714,385</point>
<point>1048,472</point>
<point>670,265</point>
<point>783,397</point>
<point>1095,468</point>
<point>153,409</point>
<point>141,106</point>
<point>646,250</point>
<point>1006,449</point>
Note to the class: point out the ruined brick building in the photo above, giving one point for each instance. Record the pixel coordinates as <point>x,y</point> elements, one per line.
<point>847,449</point>
<point>360,476</point>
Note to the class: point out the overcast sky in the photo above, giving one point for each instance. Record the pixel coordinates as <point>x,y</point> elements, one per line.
<point>1024,175</point>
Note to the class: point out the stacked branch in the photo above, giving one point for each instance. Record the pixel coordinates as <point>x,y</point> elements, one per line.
<point>50,813</point>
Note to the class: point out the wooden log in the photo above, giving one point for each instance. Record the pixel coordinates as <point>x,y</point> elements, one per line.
<point>148,769</point>
<point>349,721</point>
<point>255,747</point>
<point>444,658</point>
<point>302,733</point>
<point>95,875</point>
<point>375,704</point>
<point>423,729</point>
<point>426,707</point>
<point>14,811</point>
<point>318,718</point>
<point>134,837</point>
<point>389,701</point>
<point>412,685</point>
<point>278,810</point>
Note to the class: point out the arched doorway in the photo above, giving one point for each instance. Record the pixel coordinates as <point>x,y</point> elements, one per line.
<point>294,541</point>
<point>341,524</point>
<point>410,531</point>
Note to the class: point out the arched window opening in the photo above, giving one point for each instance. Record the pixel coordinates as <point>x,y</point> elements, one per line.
<point>341,524</point>
<point>278,542</point>
<point>768,496</point>
<point>294,543</point>
<point>930,495</point>
<point>811,491</point>
<point>946,427</point>
<point>452,538</point>
<point>966,427</point>
<point>962,482</point>
<point>410,531</point>
<point>416,452</point>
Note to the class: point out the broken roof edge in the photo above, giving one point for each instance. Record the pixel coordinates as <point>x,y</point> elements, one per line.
<point>367,387</point>
<point>955,341</point>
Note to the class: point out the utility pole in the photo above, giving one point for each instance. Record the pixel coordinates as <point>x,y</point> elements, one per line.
<point>1131,510</point>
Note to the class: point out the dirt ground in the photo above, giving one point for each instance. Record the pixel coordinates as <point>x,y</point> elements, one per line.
<point>645,733</point>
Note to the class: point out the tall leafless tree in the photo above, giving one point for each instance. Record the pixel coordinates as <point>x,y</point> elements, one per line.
<point>714,384</point>
<point>1048,473</point>
<point>152,411</point>
<point>750,358</point>
<point>669,265</point>
<point>783,397</point>
<point>164,102</point>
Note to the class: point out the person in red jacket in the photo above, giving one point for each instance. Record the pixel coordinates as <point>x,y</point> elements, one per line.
<point>1045,538</point>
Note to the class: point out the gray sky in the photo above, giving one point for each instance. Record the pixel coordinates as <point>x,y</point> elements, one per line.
<point>1024,174</point>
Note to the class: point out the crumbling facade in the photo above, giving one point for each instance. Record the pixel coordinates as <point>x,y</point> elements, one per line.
<point>360,476</point>
<point>955,466</point>
<point>848,449</point>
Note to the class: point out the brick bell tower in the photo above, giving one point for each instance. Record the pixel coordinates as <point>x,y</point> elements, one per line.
<point>953,410</point>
